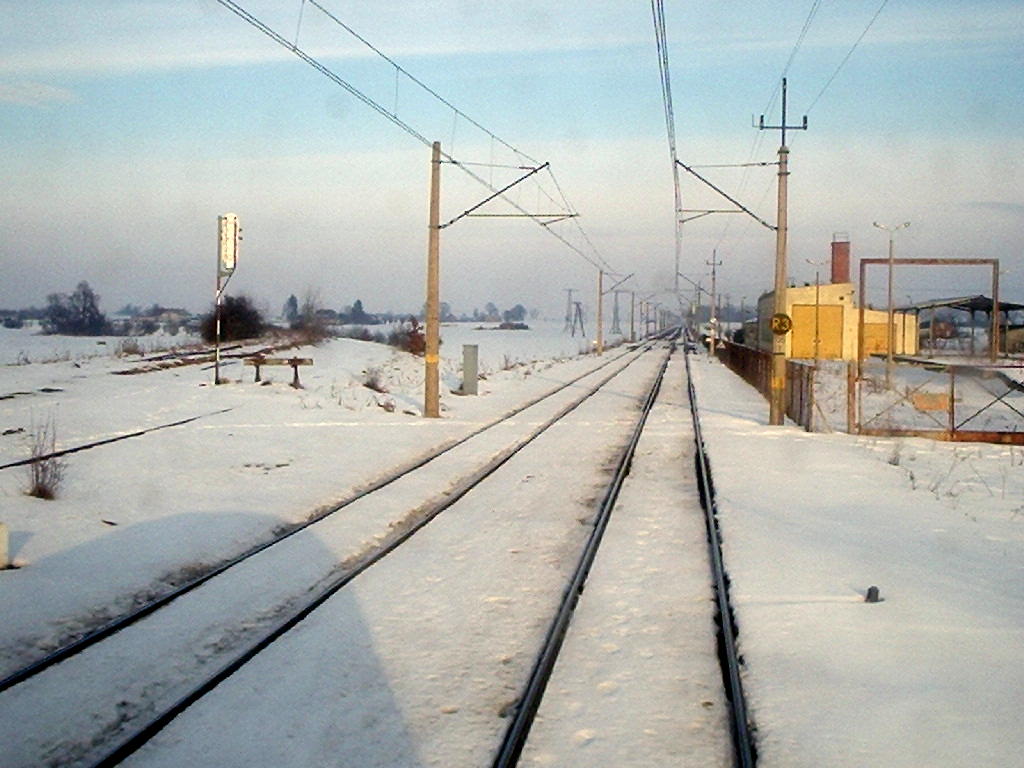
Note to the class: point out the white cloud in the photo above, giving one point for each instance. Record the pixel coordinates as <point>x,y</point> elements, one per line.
<point>33,94</point>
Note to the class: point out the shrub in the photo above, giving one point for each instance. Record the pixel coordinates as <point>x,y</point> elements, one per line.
<point>46,472</point>
<point>408,337</point>
<point>239,320</point>
<point>129,346</point>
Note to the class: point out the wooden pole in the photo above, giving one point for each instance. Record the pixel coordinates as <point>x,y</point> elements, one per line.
<point>431,388</point>
<point>600,311</point>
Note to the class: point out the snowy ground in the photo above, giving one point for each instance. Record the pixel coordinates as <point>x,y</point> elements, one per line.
<point>929,676</point>
<point>134,514</point>
<point>638,681</point>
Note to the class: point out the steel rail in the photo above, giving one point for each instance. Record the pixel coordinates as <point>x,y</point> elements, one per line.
<point>138,739</point>
<point>108,440</point>
<point>744,748</point>
<point>131,617</point>
<point>519,729</point>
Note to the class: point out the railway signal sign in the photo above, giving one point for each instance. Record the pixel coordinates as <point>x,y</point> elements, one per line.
<point>781,323</point>
<point>228,235</point>
<point>227,252</point>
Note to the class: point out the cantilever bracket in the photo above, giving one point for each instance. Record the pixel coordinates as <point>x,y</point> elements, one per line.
<point>498,193</point>
<point>739,205</point>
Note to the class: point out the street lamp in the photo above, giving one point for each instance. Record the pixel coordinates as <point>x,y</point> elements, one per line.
<point>817,306</point>
<point>892,335</point>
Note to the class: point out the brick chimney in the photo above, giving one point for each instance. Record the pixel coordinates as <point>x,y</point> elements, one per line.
<point>840,257</point>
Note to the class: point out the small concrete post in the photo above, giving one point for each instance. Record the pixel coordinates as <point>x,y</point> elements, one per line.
<point>470,365</point>
<point>5,561</point>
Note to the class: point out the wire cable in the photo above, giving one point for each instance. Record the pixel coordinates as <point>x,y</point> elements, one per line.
<point>661,41</point>
<point>417,81</point>
<point>759,139</point>
<point>595,260</point>
<point>846,58</point>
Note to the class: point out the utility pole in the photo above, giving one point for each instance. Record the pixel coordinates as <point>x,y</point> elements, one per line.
<point>600,312</point>
<point>776,403</point>
<point>632,317</point>
<point>431,387</point>
<point>568,310</point>
<point>892,330</point>
<point>713,319</point>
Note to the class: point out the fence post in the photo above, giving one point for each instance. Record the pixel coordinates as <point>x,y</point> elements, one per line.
<point>811,377</point>
<point>952,400</point>
<point>851,399</point>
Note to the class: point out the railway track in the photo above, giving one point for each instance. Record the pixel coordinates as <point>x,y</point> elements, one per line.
<point>137,705</point>
<point>147,607</point>
<point>133,696</point>
<point>742,747</point>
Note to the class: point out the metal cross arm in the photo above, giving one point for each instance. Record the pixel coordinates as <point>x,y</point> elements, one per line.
<point>700,213</point>
<point>735,202</point>
<point>498,193</point>
<point>783,127</point>
<point>698,286</point>
<point>619,283</point>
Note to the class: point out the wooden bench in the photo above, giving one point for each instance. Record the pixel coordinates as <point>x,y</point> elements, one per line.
<point>259,361</point>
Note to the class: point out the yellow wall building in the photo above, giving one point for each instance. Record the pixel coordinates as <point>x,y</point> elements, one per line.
<point>825,320</point>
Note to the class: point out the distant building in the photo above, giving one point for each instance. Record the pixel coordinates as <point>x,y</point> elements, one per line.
<point>829,314</point>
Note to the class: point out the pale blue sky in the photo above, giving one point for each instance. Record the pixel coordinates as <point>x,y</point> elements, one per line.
<point>128,126</point>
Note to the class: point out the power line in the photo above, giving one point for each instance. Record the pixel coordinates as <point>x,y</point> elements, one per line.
<point>456,112</point>
<point>417,81</point>
<point>661,41</point>
<point>596,260</point>
<point>800,38</point>
<point>846,58</point>
<point>758,140</point>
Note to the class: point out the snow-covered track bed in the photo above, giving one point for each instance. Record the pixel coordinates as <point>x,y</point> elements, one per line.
<point>740,727</point>
<point>641,676</point>
<point>78,711</point>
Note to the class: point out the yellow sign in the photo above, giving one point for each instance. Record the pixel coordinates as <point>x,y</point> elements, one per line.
<point>781,324</point>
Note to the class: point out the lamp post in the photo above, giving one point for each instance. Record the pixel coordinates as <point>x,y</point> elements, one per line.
<point>817,306</point>
<point>892,331</point>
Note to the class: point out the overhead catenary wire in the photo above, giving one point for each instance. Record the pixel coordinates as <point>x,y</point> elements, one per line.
<point>846,58</point>
<point>661,42</point>
<point>456,112</point>
<point>399,68</point>
<point>759,138</point>
<point>595,259</point>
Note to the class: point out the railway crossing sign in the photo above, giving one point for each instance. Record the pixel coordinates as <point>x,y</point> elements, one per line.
<point>781,323</point>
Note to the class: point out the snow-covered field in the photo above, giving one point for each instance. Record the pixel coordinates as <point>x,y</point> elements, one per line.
<point>929,676</point>
<point>23,346</point>
<point>134,513</point>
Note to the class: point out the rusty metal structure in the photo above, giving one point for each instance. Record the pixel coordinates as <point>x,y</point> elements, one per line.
<point>952,403</point>
<point>946,402</point>
<point>992,263</point>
